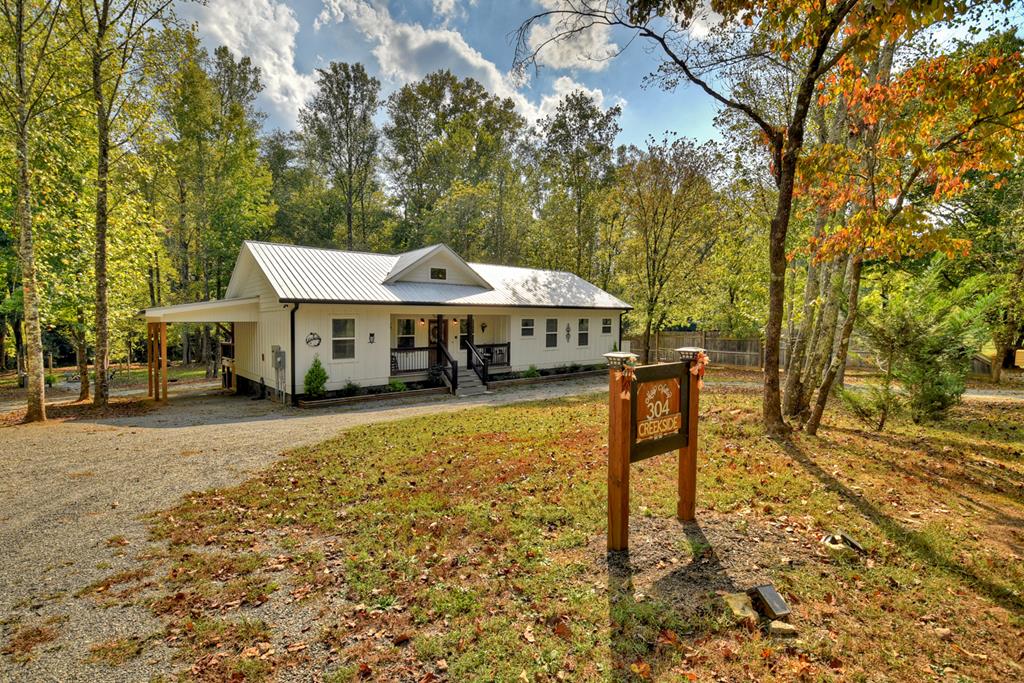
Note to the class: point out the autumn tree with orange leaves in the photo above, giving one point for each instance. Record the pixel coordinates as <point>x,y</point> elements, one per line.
<point>822,46</point>
<point>912,138</point>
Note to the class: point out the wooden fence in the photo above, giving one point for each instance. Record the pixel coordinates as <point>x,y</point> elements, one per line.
<point>749,353</point>
<point>737,352</point>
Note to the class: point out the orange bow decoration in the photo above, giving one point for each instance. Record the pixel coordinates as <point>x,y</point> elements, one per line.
<point>698,368</point>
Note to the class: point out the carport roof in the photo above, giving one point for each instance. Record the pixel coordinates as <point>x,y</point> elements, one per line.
<point>216,311</point>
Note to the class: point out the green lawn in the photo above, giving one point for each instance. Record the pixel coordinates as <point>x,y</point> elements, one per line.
<point>470,547</point>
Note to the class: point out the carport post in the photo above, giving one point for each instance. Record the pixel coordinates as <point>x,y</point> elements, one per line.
<point>149,358</point>
<point>163,358</point>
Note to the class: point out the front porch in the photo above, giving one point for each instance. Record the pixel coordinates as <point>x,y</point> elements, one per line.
<point>478,343</point>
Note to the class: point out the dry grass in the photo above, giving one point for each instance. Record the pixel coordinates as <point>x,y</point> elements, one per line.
<point>26,638</point>
<point>74,410</point>
<point>470,547</point>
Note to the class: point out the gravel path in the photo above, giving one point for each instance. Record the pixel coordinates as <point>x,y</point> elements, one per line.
<point>67,488</point>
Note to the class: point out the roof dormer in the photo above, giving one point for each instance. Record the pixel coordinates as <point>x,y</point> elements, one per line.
<point>436,264</point>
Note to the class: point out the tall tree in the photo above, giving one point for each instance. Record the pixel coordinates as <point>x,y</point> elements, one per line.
<point>744,37</point>
<point>113,34</point>
<point>444,133</point>
<point>341,134</point>
<point>667,206</point>
<point>576,154</point>
<point>26,89</point>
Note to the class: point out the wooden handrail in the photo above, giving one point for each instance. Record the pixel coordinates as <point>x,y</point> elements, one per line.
<point>451,371</point>
<point>480,365</point>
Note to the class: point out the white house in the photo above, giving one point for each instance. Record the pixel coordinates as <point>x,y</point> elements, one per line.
<point>372,318</point>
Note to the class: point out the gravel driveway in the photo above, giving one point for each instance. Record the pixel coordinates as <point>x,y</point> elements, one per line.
<point>68,488</point>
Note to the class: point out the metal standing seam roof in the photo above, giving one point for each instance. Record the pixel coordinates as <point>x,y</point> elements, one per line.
<point>309,274</point>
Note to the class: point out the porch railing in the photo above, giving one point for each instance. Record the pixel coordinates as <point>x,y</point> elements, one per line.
<point>496,355</point>
<point>449,367</point>
<point>413,360</point>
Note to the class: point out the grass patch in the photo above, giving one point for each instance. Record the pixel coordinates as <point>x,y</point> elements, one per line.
<point>471,546</point>
<point>21,646</point>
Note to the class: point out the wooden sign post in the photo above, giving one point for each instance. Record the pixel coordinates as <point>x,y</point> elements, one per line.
<point>652,409</point>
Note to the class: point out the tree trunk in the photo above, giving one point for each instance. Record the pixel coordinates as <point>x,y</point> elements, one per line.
<point>36,379</point>
<point>102,363</point>
<point>647,340</point>
<point>851,316</point>
<point>798,347</point>
<point>3,342</point>
<point>82,358</point>
<point>772,405</point>
<point>997,361</point>
<point>827,325</point>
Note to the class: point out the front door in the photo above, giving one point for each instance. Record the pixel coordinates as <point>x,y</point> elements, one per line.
<point>432,328</point>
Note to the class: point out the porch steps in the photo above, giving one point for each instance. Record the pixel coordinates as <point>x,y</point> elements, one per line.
<point>469,383</point>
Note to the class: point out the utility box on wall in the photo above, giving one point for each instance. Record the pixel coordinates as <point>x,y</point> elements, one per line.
<point>1018,358</point>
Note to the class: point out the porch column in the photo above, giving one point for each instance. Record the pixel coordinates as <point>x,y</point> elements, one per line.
<point>469,328</point>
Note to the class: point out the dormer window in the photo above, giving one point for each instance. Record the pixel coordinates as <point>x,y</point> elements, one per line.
<point>438,273</point>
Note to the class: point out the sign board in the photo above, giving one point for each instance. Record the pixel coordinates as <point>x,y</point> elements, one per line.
<point>652,409</point>
<point>659,420</point>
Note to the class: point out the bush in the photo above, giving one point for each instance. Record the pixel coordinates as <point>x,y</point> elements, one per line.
<point>922,335</point>
<point>351,389</point>
<point>531,371</point>
<point>397,385</point>
<point>51,380</point>
<point>315,383</point>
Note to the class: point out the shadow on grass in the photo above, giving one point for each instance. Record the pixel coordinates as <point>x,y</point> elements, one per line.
<point>909,540</point>
<point>648,633</point>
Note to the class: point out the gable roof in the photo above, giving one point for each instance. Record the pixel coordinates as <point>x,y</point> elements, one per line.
<point>408,261</point>
<point>311,275</point>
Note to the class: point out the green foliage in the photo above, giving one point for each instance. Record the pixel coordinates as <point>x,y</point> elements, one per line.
<point>397,385</point>
<point>315,382</point>
<point>531,371</point>
<point>350,389</point>
<point>922,335</point>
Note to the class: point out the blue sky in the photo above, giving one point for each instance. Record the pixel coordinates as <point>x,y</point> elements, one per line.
<point>399,42</point>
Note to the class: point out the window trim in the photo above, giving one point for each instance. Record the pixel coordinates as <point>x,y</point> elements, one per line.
<point>334,339</point>
<point>523,327</point>
<point>443,272</point>
<point>548,333</point>
<point>581,333</point>
<point>610,326</point>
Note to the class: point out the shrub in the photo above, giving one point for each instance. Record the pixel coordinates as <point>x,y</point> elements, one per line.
<point>315,382</point>
<point>51,379</point>
<point>397,385</point>
<point>574,367</point>
<point>531,371</point>
<point>351,389</point>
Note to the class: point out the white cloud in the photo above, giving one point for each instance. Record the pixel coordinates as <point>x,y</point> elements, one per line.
<point>580,43</point>
<point>563,86</point>
<point>265,31</point>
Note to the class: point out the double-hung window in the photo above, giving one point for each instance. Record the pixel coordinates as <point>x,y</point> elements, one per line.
<point>406,333</point>
<point>606,325</point>
<point>343,338</point>
<point>526,327</point>
<point>583,332</point>
<point>551,333</point>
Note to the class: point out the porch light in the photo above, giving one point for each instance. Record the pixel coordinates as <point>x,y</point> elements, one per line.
<point>483,327</point>
<point>423,321</point>
<point>455,321</point>
<point>372,337</point>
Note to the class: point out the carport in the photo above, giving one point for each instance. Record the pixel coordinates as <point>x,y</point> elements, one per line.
<point>219,312</point>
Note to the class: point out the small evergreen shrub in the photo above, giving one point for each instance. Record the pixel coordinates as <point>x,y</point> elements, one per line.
<point>397,385</point>
<point>351,389</point>
<point>531,371</point>
<point>315,383</point>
